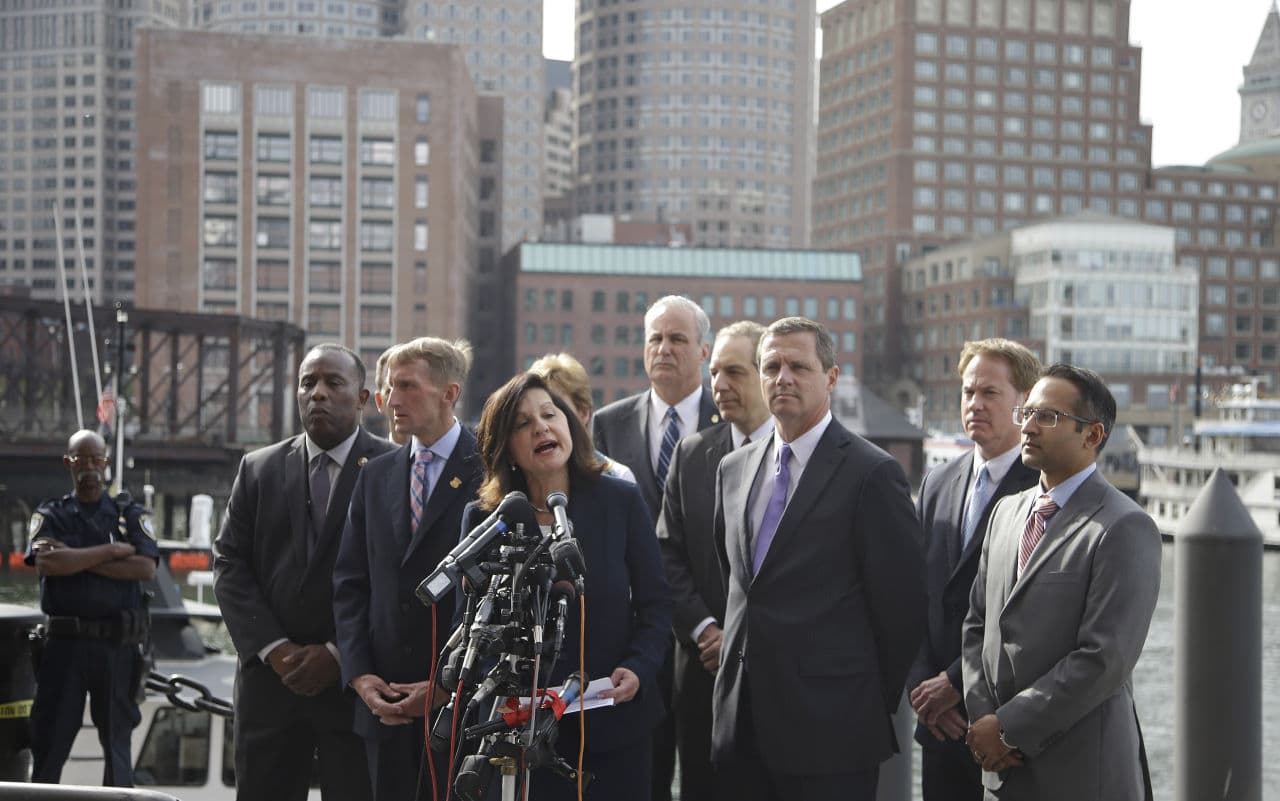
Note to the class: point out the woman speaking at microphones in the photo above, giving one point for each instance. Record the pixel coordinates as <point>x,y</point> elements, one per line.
<point>530,440</point>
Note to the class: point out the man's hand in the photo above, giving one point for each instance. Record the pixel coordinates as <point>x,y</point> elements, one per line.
<point>121,550</point>
<point>380,698</point>
<point>984,743</point>
<point>934,697</point>
<point>951,725</point>
<point>311,669</point>
<point>415,693</point>
<point>709,647</point>
<point>625,686</point>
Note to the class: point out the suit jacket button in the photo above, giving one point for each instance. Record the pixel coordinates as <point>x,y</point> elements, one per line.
<point>739,656</point>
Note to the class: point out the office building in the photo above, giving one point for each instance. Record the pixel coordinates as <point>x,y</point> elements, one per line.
<point>68,142</point>
<point>697,113</point>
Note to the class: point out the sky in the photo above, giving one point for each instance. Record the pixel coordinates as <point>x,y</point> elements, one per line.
<point>1193,52</point>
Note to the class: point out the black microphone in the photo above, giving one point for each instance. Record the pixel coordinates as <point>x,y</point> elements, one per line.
<point>446,575</point>
<point>497,676</point>
<point>565,551</point>
<point>563,593</point>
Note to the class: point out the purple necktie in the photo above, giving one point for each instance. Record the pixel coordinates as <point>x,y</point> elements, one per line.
<point>773,512</point>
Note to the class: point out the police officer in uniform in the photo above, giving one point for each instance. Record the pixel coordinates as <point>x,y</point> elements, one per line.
<point>92,553</point>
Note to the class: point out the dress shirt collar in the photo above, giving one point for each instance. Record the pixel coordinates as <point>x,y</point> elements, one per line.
<point>760,433</point>
<point>803,446</point>
<point>442,448</point>
<point>338,453</point>
<point>998,467</point>
<point>1063,492</point>
<point>687,408</point>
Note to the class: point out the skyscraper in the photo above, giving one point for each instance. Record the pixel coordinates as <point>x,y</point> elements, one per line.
<point>942,121</point>
<point>698,113</point>
<point>68,140</point>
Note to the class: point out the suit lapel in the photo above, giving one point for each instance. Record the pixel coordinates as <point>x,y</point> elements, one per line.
<point>822,467</point>
<point>450,483</point>
<point>396,496</point>
<point>755,461</point>
<point>340,498</point>
<point>643,470</point>
<point>1064,525</point>
<point>953,508</point>
<point>295,493</point>
<point>708,414</point>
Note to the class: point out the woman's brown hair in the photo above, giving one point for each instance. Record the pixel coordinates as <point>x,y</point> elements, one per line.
<point>494,432</point>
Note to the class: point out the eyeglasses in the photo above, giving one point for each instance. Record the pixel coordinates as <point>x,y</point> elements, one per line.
<point>100,461</point>
<point>1045,418</point>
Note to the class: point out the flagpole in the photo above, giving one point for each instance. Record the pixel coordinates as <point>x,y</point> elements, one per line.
<point>66,306</point>
<point>122,317</point>
<point>88,308</point>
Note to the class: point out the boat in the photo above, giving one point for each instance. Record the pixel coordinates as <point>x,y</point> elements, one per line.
<point>1243,439</point>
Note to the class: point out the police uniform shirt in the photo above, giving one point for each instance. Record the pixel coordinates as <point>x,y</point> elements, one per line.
<point>87,594</point>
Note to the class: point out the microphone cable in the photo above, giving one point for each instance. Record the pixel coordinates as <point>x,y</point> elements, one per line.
<point>426,713</point>
<point>582,696</point>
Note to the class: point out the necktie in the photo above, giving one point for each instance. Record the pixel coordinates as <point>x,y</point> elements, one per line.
<point>773,512</point>
<point>1044,509</point>
<point>320,487</point>
<point>978,500</point>
<point>745,441</point>
<point>669,439</point>
<point>418,489</point>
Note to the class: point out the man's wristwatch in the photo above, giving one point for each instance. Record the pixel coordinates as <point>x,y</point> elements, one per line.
<point>1006,743</point>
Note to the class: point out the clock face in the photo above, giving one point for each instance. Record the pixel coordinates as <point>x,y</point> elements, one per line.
<point>1258,110</point>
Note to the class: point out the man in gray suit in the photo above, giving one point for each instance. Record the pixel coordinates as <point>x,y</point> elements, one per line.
<point>1069,576</point>
<point>642,432</point>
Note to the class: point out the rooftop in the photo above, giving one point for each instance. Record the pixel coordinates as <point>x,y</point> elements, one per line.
<point>758,264</point>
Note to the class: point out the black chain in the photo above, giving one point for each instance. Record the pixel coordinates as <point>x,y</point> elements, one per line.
<point>172,687</point>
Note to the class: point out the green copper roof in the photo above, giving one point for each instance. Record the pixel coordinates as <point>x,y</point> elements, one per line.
<point>768,265</point>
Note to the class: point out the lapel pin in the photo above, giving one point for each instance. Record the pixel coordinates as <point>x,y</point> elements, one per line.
<point>362,461</point>
<point>715,418</point>
<point>455,482</point>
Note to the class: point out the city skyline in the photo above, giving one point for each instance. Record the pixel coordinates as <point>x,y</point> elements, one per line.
<point>1192,103</point>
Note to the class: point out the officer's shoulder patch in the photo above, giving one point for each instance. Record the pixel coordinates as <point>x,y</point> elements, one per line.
<point>148,527</point>
<point>37,523</point>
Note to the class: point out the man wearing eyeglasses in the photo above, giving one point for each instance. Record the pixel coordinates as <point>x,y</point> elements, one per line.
<point>955,501</point>
<point>1069,577</point>
<point>92,553</point>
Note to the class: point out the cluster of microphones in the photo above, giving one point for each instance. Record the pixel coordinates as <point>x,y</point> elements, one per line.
<point>517,583</point>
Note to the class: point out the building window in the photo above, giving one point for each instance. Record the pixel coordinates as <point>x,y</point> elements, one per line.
<point>375,321</point>
<point>325,191</point>
<point>275,101</point>
<point>221,145</point>
<point>324,318</point>
<point>377,152</point>
<point>324,276</point>
<point>326,150</point>
<point>221,98</point>
<point>376,235</point>
<point>422,108</point>
<point>220,187</point>
<point>273,274</point>
<point>324,235</point>
<point>219,274</point>
<point>377,106</point>
<point>421,192</point>
<point>421,152</point>
<point>274,147</point>
<point>420,235</point>
<point>273,232</point>
<point>220,232</point>
<point>377,193</point>
<point>325,104</point>
<point>273,190</point>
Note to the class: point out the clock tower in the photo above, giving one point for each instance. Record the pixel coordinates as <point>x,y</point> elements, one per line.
<point>1260,92</point>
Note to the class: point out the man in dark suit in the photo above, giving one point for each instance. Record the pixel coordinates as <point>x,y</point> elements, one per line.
<point>688,547</point>
<point>642,431</point>
<point>405,515</point>
<point>955,501</point>
<point>273,577</point>
<point>826,602</point>
<point>1059,612</point>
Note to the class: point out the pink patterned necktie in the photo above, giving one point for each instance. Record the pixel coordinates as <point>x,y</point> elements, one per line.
<point>418,488</point>
<point>1044,509</point>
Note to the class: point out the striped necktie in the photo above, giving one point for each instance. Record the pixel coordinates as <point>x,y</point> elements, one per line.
<point>1044,509</point>
<point>418,487</point>
<point>669,439</point>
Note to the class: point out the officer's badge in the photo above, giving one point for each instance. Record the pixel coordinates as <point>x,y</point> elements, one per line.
<point>148,527</point>
<point>33,528</point>
<point>362,461</point>
<point>455,482</point>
